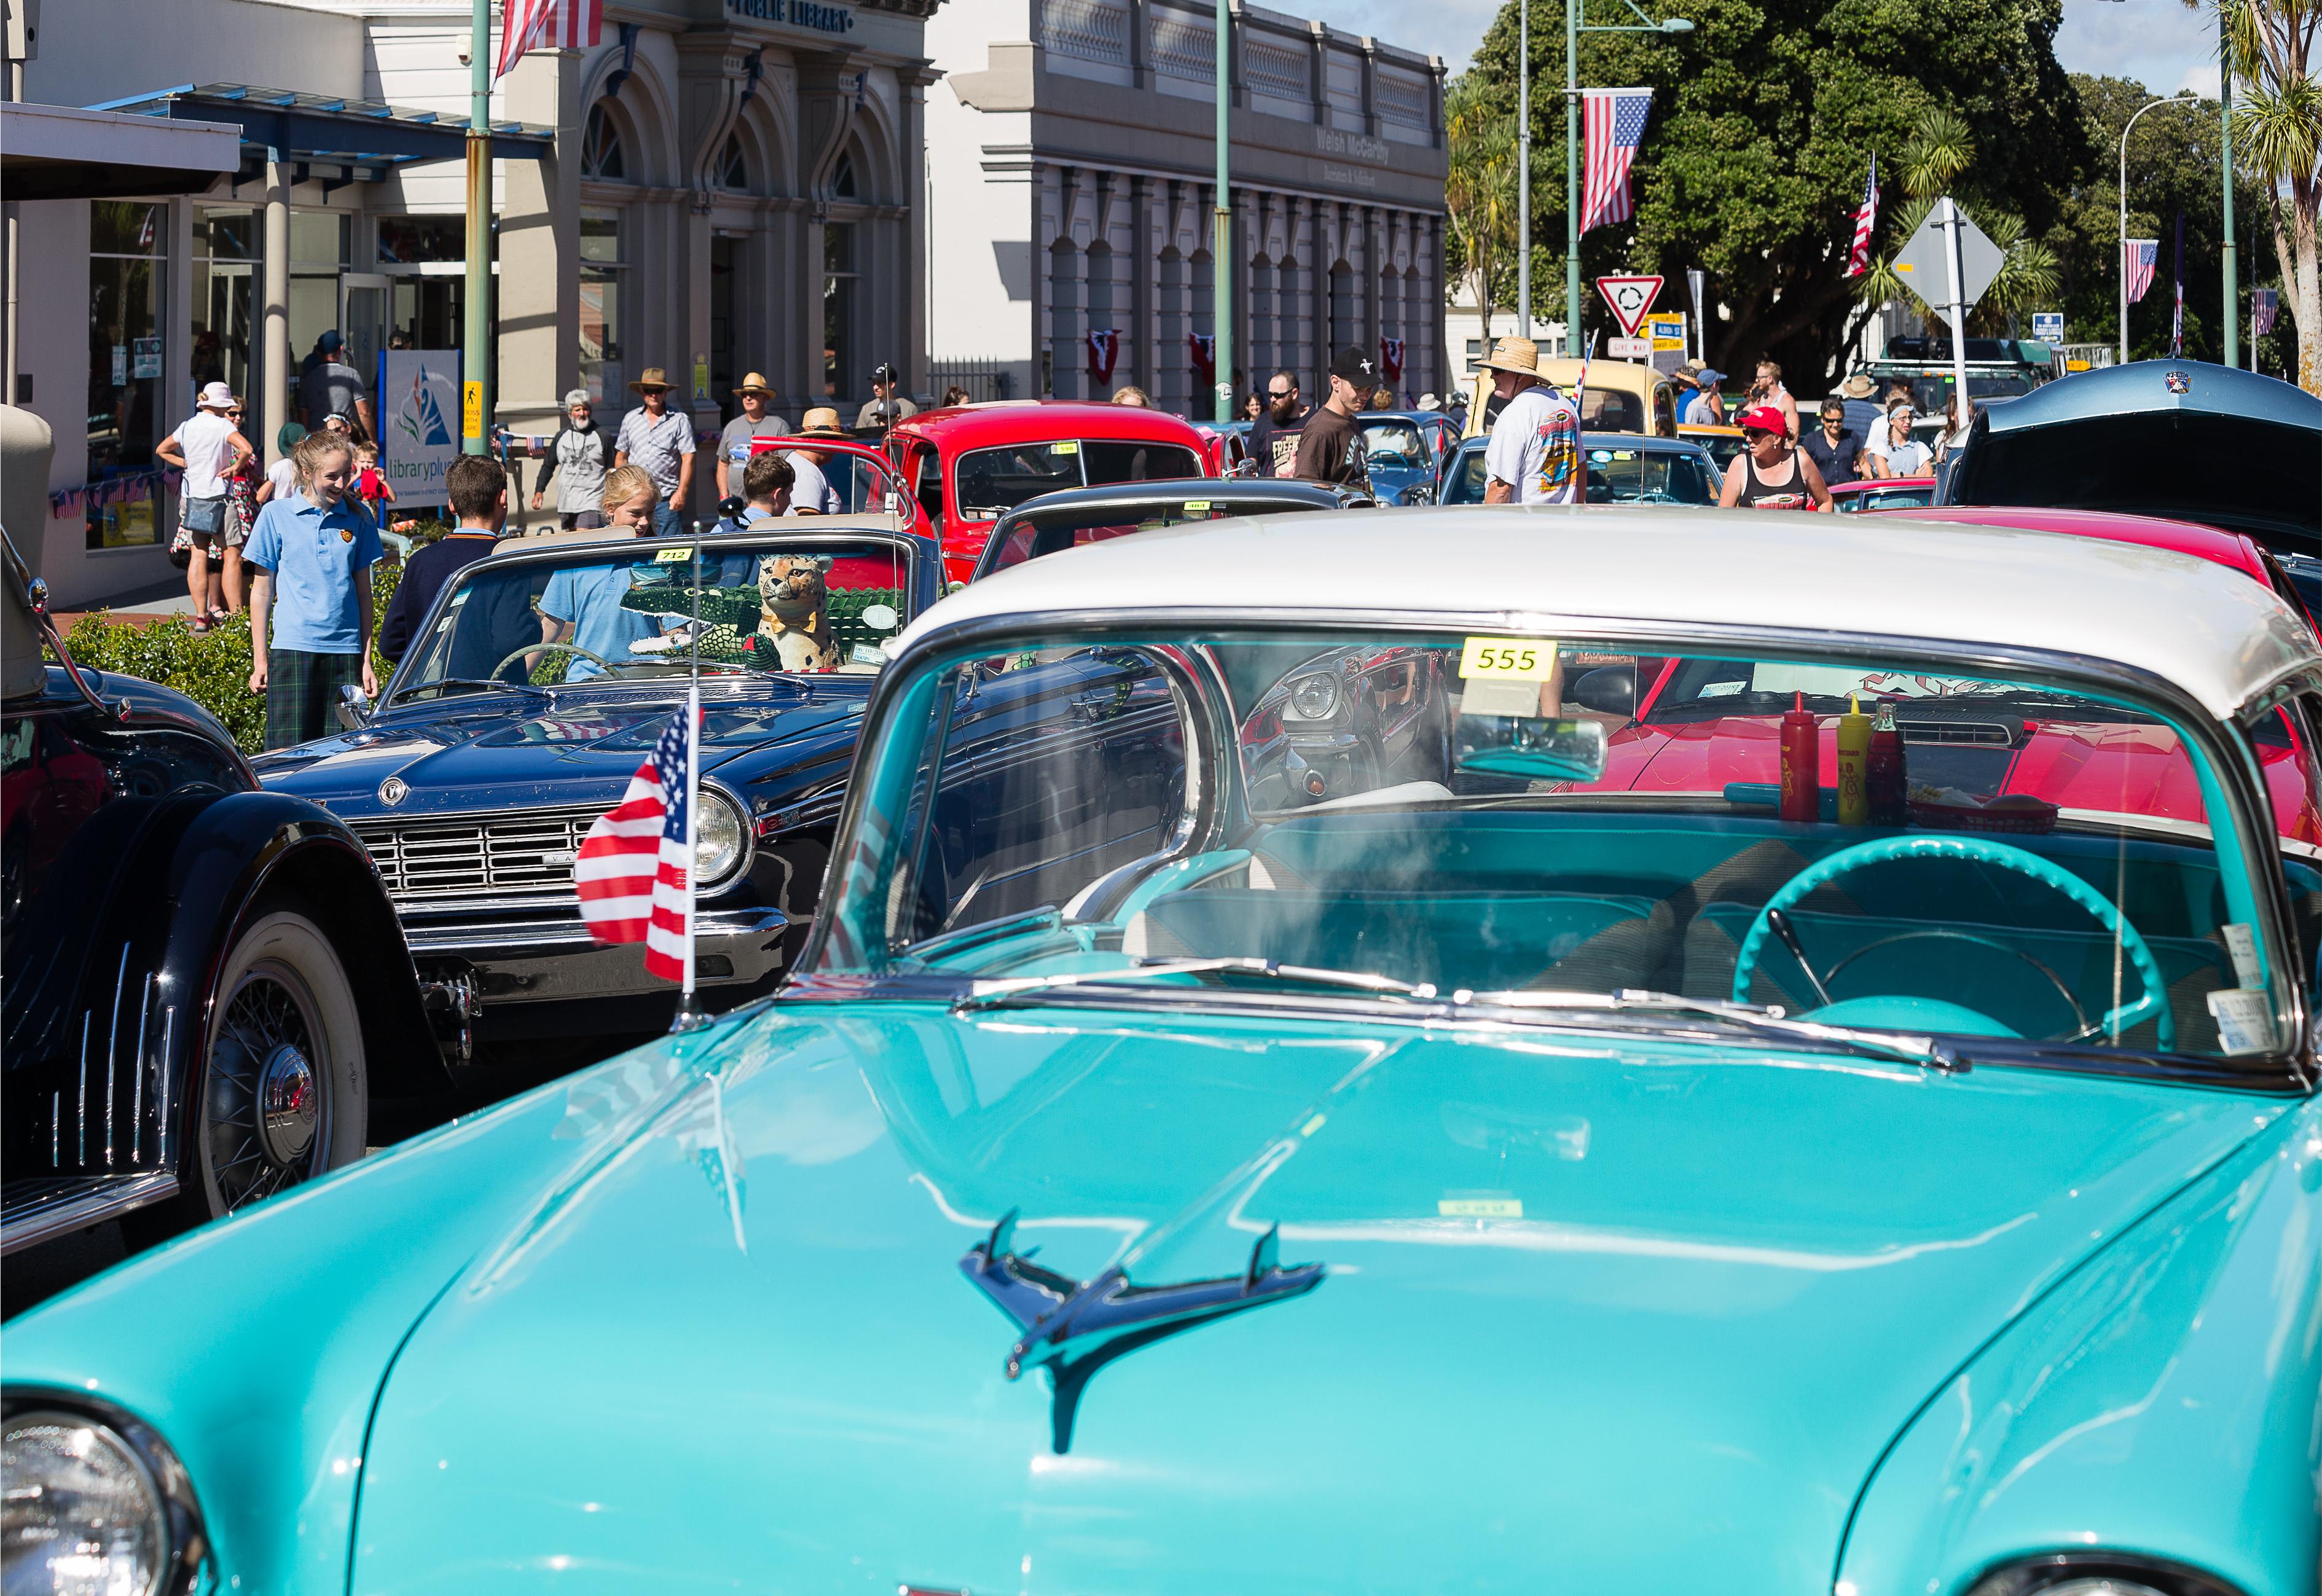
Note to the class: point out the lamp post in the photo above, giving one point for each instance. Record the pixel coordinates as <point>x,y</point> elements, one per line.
<point>1524,178</point>
<point>475,359</point>
<point>2184,99</point>
<point>1221,238</point>
<point>2225,111</point>
<point>1573,29</point>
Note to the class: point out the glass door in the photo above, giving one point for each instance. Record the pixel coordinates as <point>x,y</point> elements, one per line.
<point>365,301</point>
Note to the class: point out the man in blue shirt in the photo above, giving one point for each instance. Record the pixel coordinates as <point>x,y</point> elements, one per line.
<point>317,546</point>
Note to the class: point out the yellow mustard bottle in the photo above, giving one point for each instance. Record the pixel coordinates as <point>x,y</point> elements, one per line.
<point>1854,765</point>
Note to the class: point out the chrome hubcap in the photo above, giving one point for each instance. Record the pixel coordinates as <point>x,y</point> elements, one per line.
<point>288,1106</point>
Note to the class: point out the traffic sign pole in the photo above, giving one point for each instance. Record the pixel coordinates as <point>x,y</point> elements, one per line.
<point>1951,223</point>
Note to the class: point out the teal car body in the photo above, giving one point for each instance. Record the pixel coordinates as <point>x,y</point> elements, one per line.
<point>1613,1301</point>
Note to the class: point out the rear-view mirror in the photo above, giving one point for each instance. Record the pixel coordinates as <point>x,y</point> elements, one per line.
<point>1531,747</point>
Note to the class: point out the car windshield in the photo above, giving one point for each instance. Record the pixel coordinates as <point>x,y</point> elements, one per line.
<point>1610,410</point>
<point>1392,440</point>
<point>1618,476</point>
<point>1886,498</point>
<point>990,482</point>
<point>1932,391</point>
<point>1049,532</point>
<point>800,605</point>
<point>1379,815</point>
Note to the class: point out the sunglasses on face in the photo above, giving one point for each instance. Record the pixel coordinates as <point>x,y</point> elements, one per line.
<point>1754,435</point>
<point>1277,393</point>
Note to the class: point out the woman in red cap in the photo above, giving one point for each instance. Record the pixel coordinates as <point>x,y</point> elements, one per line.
<point>1771,473</point>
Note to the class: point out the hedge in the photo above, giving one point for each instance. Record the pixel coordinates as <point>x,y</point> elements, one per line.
<point>212,668</point>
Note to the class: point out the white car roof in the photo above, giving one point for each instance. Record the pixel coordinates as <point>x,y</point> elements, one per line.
<point>2215,631</point>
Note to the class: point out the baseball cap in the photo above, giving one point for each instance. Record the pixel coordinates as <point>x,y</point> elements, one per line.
<point>1765,418</point>
<point>886,372</point>
<point>1352,365</point>
<point>331,342</point>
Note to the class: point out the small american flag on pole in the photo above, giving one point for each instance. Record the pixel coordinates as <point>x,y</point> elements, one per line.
<point>2265,304</point>
<point>1612,126</point>
<point>547,25</point>
<point>633,874</point>
<point>2142,253</point>
<point>1866,216</point>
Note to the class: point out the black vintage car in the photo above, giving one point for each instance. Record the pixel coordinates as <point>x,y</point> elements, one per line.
<point>205,984</point>
<point>494,747</point>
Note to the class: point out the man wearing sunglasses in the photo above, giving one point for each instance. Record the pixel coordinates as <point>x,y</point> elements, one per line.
<point>1274,435</point>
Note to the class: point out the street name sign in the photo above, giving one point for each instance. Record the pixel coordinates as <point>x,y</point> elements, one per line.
<point>1630,298</point>
<point>2048,325</point>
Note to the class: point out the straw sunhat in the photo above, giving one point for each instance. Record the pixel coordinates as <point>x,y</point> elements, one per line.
<point>1519,355</point>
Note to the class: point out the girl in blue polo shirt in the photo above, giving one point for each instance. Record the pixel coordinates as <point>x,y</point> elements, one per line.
<point>313,550</point>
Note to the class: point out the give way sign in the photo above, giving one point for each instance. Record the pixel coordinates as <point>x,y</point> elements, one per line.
<point>1630,298</point>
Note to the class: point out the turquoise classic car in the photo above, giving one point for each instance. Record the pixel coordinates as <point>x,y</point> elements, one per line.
<point>1257,1112</point>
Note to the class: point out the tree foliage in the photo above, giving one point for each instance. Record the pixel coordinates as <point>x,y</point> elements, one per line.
<point>1939,154</point>
<point>1764,119</point>
<point>2269,44</point>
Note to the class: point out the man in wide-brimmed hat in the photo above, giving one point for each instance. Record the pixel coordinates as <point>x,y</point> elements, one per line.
<point>757,420</point>
<point>1534,454</point>
<point>1860,395</point>
<point>811,493</point>
<point>659,442</point>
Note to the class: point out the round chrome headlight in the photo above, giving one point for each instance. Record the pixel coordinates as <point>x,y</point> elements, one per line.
<point>718,840</point>
<point>85,1513</point>
<point>1315,697</point>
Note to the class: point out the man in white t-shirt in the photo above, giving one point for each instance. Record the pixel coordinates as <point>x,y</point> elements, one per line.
<point>209,449</point>
<point>811,493</point>
<point>1534,454</point>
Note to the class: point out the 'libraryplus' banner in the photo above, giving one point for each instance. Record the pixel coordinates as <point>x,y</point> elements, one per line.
<point>419,395</point>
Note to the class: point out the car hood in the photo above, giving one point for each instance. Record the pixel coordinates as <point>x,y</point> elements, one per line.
<point>539,753</point>
<point>1640,1312</point>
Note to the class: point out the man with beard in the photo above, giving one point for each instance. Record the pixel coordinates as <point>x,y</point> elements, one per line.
<point>1274,435</point>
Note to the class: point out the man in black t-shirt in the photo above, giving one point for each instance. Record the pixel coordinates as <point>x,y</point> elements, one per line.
<point>1274,435</point>
<point>1330,448</point>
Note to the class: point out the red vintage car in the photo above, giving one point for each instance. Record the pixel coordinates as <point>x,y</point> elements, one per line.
<point>864,476</point>
<point>1707,727</point>
<point>969,465</point>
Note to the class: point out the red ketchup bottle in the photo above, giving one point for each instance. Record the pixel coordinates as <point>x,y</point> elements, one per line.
<point>1801,763</point>
<point>1883,773</point>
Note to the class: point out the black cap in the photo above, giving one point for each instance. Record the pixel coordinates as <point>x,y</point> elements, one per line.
<point>1355,367</point>
<point>886,372</point>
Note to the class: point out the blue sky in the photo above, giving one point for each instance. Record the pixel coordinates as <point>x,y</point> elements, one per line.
<point>2160,43</point>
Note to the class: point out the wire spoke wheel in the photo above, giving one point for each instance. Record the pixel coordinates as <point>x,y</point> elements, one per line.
<point>268,1109</point>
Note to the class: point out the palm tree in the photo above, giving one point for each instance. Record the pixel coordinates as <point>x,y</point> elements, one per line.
<point>1480,191</point>
<point>1938,153</point>
<point>2269,45</point>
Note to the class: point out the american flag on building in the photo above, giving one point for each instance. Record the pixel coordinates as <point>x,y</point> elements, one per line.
<point>547,25</point>
<point>2143,255</point>
<point>2265,304</point>
<point>1866,216</point>
<point>633,874</point>
<point>1612,126</point>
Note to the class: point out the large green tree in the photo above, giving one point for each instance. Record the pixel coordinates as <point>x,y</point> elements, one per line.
<point>1764,119</point>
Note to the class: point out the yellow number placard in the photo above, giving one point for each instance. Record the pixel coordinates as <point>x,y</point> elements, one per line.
<point>1069,446</point>
<point>674,557</point>
<point>1507,659</point>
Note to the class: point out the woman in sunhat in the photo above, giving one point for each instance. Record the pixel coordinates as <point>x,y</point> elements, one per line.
<point>659,442</point>
<point>1772,473</point>
<point>209,449</point>
<point>757,420</point>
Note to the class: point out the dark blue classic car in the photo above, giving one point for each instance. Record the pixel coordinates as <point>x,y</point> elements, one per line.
<point>503,736</point>
<point>1406,450</point>
<point>1623,469</point>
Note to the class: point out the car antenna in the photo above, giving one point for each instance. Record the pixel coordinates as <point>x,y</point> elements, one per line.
<point>690,1015</point>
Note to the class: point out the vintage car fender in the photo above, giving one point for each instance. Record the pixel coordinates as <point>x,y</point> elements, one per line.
<point>2161,1402</point>
<point>273,1414</point>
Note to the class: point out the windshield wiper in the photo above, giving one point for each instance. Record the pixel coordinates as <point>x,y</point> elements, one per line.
<point>1925,1051</point>
<point>486,684</point>
<point>995,994</point>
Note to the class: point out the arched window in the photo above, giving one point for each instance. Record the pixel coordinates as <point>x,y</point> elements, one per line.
<point>733,170</point>
<point>601,153</point>
<point>842,181</point>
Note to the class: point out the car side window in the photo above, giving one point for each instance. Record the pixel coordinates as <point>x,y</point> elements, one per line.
<point>1664,414</point>
<point>927,469</point>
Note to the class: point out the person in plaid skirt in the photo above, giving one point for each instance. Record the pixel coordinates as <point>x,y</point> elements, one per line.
<point>310,556</point>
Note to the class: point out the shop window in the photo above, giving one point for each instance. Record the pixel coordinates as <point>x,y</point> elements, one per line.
<point>414,241</point>
<point>602,156</point>
<point>838,277</point>
<point>604,277</point>
<point>733,171</point>
<point>127,289</point>
<point>226,266</point>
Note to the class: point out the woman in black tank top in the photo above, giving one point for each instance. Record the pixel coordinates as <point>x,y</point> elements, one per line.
<point>1772,473</point>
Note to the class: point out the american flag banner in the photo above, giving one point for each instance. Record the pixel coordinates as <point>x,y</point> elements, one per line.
<point>1612,126</point>
<point>2265,304</point>
<point>547,25</point>
<point>1391,359</point>
<point>1866,216</point>
<point>2143,255</point>
<point>634,874</point>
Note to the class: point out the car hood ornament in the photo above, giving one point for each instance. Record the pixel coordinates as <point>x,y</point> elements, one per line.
<point>2180,382</point>
<point>393,791</point>
<point>1074,1329</point>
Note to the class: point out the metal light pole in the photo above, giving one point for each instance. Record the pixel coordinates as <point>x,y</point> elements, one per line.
<point>1573,29</point>
<point>2184,99</point>
<point>1221,234</point>
<point>1523,178</point>
<point>475,357</point>
<point>2225,110</point>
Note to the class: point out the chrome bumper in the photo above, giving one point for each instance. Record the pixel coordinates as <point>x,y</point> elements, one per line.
<point>35,1212</point>
<point>555,960</point>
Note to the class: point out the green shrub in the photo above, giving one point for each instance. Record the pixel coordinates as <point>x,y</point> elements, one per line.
<point>212,668</point>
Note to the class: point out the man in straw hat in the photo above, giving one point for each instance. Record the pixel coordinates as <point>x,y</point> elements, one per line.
<point>1534,454</point>
<point>811,493</point>
<point>757,420</point>
<point>1864,415</point>
<point>659,442</point>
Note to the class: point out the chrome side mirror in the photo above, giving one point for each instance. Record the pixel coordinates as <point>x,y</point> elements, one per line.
<point>353,708</point>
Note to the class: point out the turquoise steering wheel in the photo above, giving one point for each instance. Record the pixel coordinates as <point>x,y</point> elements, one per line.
<point>1935,1013</point>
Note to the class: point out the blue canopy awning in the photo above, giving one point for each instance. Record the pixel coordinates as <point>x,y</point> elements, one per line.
<point>366,139</point>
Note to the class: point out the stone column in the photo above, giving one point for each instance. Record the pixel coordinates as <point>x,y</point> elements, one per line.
<point>1144,341</point>
<point>274,309</point>
<point>540,257</point>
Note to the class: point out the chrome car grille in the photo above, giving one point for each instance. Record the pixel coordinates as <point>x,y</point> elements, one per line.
<point>492,856</point>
